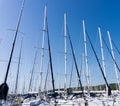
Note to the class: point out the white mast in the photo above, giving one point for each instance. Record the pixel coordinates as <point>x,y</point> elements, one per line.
<point>82,73</point>
<point>112,52</point>
<point>23,89</point>
<point>18,68</point>
<point>32,72</point>
<point>86,58</point>
<point>65,35</point>
<point>102,53</point>
<point>42,50</point>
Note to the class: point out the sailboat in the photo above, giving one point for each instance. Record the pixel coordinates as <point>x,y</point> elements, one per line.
<point>38,101</point>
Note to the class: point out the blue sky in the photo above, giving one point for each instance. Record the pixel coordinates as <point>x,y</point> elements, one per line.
<point>103,13</point>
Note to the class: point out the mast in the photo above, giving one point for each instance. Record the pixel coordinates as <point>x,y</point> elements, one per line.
<point>86,59</point>
<point>113,56</point>
<point>42,50</point>
<point>76,66</point>
<point>4,87</point>
<point>33,68</point>
<point>102,53</point>
<point>23,89</point>
<point>82,70</point>
<point>109,89</point>
<point>77,88</point>
<point>75,62</point>
<point>35,89</point>
<point>18,69</point>
<point>50,59</point>
<point>17,28</point>
<point>65,54</point>
<point>71,75</point>
<point>46,78</point>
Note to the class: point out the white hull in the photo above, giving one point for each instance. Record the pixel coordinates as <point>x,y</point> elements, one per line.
<point>75,102</point>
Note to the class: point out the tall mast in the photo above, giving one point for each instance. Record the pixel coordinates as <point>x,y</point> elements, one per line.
<point>109,89</point>
<point>16,32</point>
<point>112,52</point>
<point>16,84</point>
<point>86,58</point>
<point>65,35</point>
<point>31,78</point>
<point>42,50</point>
<point>50,58</point>
<point>4,87</point>
<point>102,53</point>
<point>75,62</point>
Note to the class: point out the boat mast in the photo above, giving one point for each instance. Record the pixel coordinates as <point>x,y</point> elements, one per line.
<point>35,86</point>
<point>4,87</point>
<point>18,69</point>
<point>102,53</point>
<point>16,32</point>
<point>71,74</point>
<point>23,89</point>
<point>50,58</point>
<point>75,62</point>
<point>46,78</point>
<point>81,76</point>
<point>33,68</point>
<point>42,50</point>
<point>86,59</point>
<point>109,89</point>
<point>76,66</point>
<point>113,56</point>
<point>65,54</point>
<point>82,71</point>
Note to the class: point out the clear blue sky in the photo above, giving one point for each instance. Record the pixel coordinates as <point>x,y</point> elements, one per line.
<point>103,13</point>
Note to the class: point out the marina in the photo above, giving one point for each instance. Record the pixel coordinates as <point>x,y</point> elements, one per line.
<point>62,69</point>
